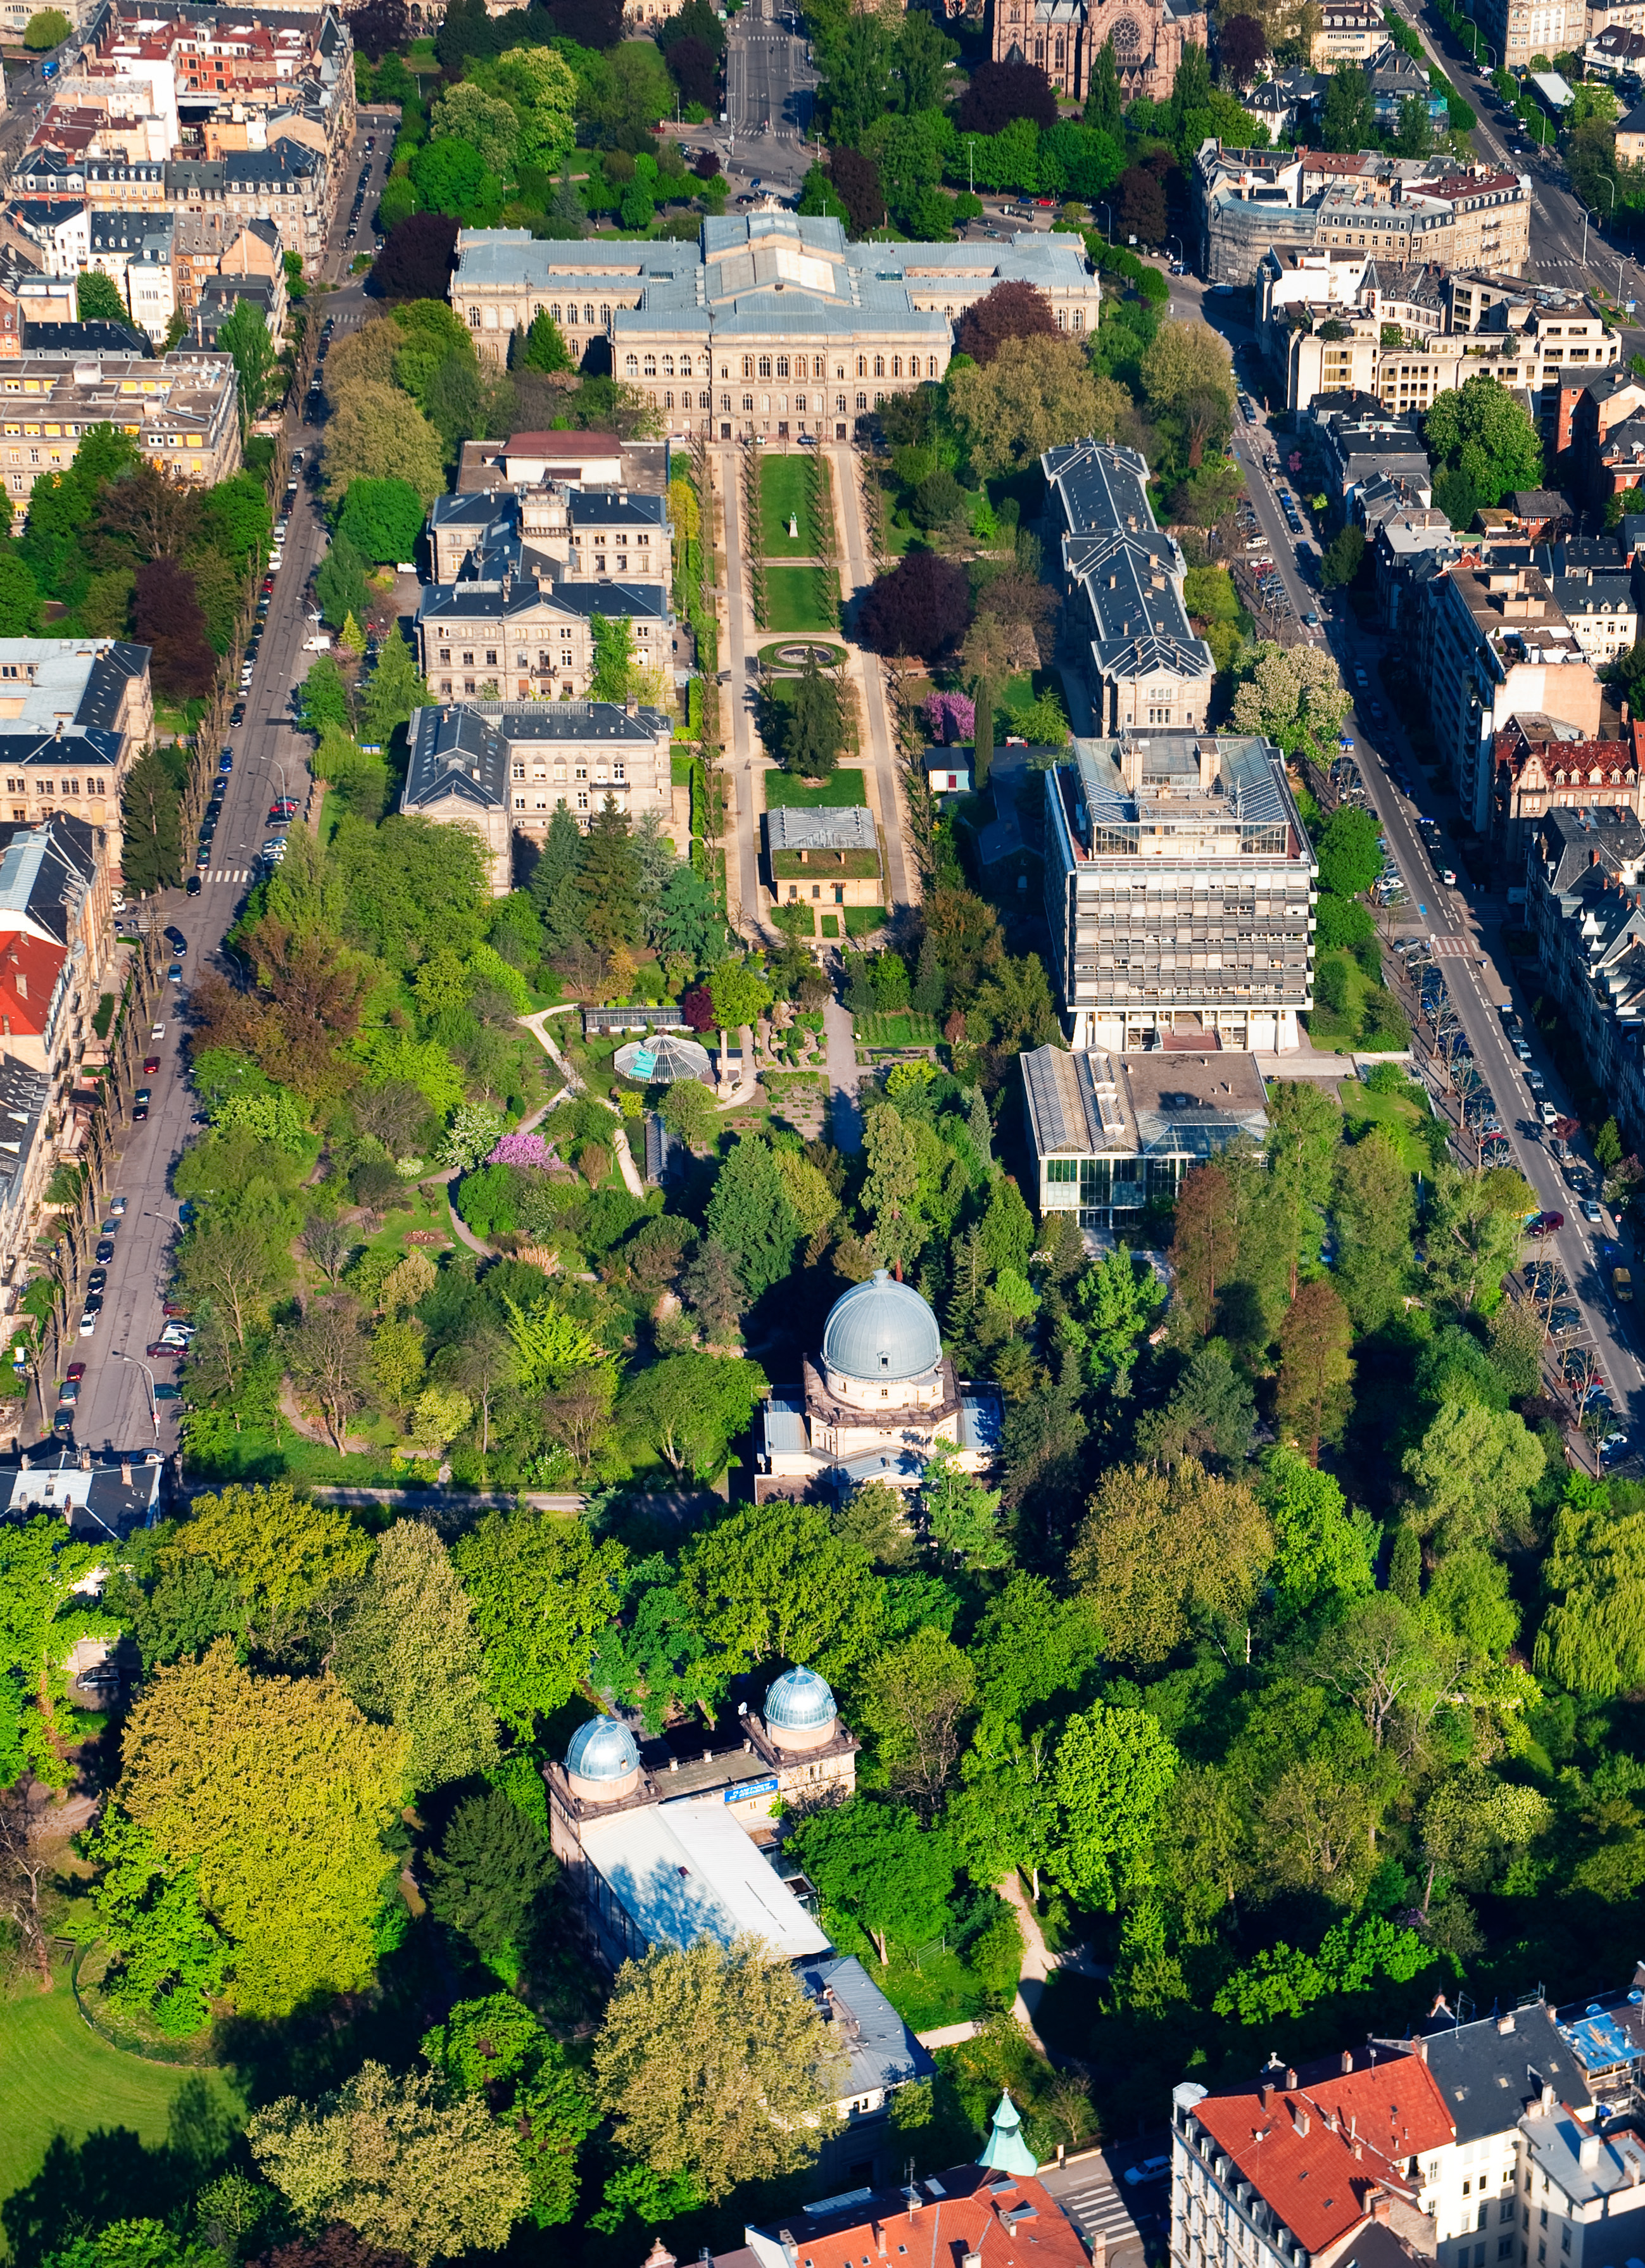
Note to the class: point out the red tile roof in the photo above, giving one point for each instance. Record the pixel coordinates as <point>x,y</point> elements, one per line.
<point>28,976</point>
<point>1008,2220</point>
<point>1314,2151</point>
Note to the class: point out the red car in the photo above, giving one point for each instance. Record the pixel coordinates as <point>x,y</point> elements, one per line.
<point>279,811</point>
<point>1550,1225</point>
<point>150,1064</point>
<point>161,1348</point>
<point>171,1309</point>
<point>75,1370</point>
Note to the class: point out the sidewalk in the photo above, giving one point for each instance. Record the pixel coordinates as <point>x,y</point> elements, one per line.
<point>840,1031</point>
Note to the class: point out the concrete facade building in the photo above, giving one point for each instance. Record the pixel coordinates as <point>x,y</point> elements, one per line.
<point>1350,32</point>
<point>1112,1134</point>
<point>1180,888</point>
<point>1582,880</point>
<point>504,768</point>
<point>1501,647</point>
<point>1407,212</point>
<point>1123,584</point>
<point>75,715</point>
<point>1519,30</point>
<point>182,410</point>
<point>773,324</point>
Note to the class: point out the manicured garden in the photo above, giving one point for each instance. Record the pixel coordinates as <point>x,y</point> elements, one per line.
<point>794,601</point>
<point>838,792</point>
<point>783,494</point>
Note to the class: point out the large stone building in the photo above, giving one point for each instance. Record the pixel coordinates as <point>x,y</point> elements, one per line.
<point>1542,765</point>
<point>773,325</point>
<point>1405,212</point>
<point>1335,319</point>
<point>1501,647</point>
<point>1063,38</point>
<point>1123,578</point>
<point>1180,888</point>
<point>880,1401</point>
<point>504,768</point>
<point>182,410</point>
<point>1350,32</point>
<point>75,715</point>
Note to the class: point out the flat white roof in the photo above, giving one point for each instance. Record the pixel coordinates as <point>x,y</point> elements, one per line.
<point>685,1871</point>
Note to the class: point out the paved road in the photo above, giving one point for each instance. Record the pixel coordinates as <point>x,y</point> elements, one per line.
<point>1465,927</point>
<point>769,91</point>
<point>115,1409</point>
<point>1128,2217</point>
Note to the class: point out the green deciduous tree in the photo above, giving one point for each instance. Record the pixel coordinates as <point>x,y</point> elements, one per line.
<point>382,520</point>
<point>714,2065</point>
<point>1041,393</point>
<point>152,824</point>
<point>1113,1771</point>
<point>496,2052</point>
<point>1474,1470</point>
<point>1314,1367</point>
<point>1476,1226</point>
<point>41,1618</point>
<point>413,2171</point>
<point>961,1516</point>
<point>875,1862</point>
<point>543,1589</point>
<point>274,1792</point>
<point>915,1697</point>
<point>340,585</point>
<point>1157,1555</point>
<point>1592,1636</point>
<point>1481,431</point>
<point>410,1654</point>
<point>280,1553</point>
<point>1349,850</point>
<point>246,336</point>
<point>775,1582</point>
<point>1322,1553</point>
<point>98,298</point>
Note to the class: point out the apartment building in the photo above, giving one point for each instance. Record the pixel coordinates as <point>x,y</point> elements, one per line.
<point>57,943</point>
<point>1520,30</point>
<point>54,232</point>
<point>262,60</point>
<point>772,324</point>
<point>1582,884</point>
<point>1542,765</point>
<point>75,715</point>
<point>1180,889</point>
<point>504,768</point>
<point>1501,647</point>
<point>1350,32</point>
<point>1123,584</point>
<point>1403,212</point>
<point>135,250</point>
<point>182,409</point>
<point>1424,2146</point>
<point>286,184</point>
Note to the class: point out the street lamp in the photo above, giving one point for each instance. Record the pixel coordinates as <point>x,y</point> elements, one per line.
<point>1103,206</point>
<point>154,1407</point>
<point>1180,256</point>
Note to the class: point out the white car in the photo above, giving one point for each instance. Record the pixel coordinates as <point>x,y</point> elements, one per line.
<point>88,1324</point>
<point>157,1032</point>
<point>1150,2169</point>
<point>1547,1112</point>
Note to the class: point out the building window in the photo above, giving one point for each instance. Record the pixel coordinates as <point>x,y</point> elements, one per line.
<point>897,365</point>
<point>748,402</point>
<point>747,365</point>
<point>782,367</point>
<point>878,365</point>
<point>862,402</point>
<point>862,366</point>
<point>474,318</point>
<point>766,366</point>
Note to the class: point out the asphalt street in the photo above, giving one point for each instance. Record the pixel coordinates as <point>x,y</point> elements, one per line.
<point>270,758</point>
<point>1460,921</point>
<point>769,89</point>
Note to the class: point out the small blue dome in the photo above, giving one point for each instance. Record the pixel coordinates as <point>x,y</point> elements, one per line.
<point>601,1750</point>
<point>798,1700</point>
<point>881,1329</point>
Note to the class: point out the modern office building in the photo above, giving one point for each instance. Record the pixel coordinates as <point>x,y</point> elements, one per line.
<point>1112,1134</point>
<point>1180,888</point>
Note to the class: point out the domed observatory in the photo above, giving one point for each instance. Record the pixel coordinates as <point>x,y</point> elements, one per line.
<point>799,1710</point>
<point>875,1403</point>
<point>602,1763</point>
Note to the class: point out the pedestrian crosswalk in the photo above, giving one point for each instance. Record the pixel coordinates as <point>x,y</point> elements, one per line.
<point>1098,2208</point>
<point>1452,948</point>
<point>229,874</point>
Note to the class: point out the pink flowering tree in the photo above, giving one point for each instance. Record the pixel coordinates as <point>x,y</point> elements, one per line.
<point>951,718</point>
<point>520,1150</point>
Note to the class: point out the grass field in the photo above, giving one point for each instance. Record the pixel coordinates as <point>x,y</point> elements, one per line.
<point>900,1030</point>
<point>782,491</point>
<point>793,601</point>
<point>1408,1123</point>
<point>861,921</point>
<point>57,2077</point>
<point>838,792</point>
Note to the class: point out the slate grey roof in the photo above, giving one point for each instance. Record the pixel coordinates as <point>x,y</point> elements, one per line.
<point>461,749</point>
<point>614,508</point>
<point>487,599</point>
<point>1128,571</point>
<point>881,2050</point>
<point>110,341</point>
<point>24,1096</point>
<point>1489,2077</point>
<point>851,828</point>
<point>116,1496</point>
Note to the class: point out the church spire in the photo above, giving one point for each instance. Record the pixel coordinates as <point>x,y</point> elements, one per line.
<point>1005,2152</point>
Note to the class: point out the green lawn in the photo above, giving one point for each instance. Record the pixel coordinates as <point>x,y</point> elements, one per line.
<point>793,601</point>
<point>783,491</point>
<point>1410,1123</point>
<point>57,2076</point>
<point>784,792</point>
<point>861,921</point>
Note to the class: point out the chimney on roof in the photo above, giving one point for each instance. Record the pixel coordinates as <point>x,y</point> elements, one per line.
<point>1546,2097</point>
<point>1265,2094</point>
<point>1347,2061</point>
<point>1420,2049</point>
<point>125,1472</point>
<point>882,2245</point>
<point>1290,2075</point>
<point>791,2251</point>
<point>1505,2024</point>
<point>1379,2204</point>
<point>1300,2119</point>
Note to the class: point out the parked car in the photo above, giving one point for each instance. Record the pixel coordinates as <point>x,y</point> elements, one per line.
<point>151,1065</point>
<point>105,1248</point>
<point>162,1350</point>
<point>1589,1210</point>
<point>191,887</point>
<point>88,1324</point>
